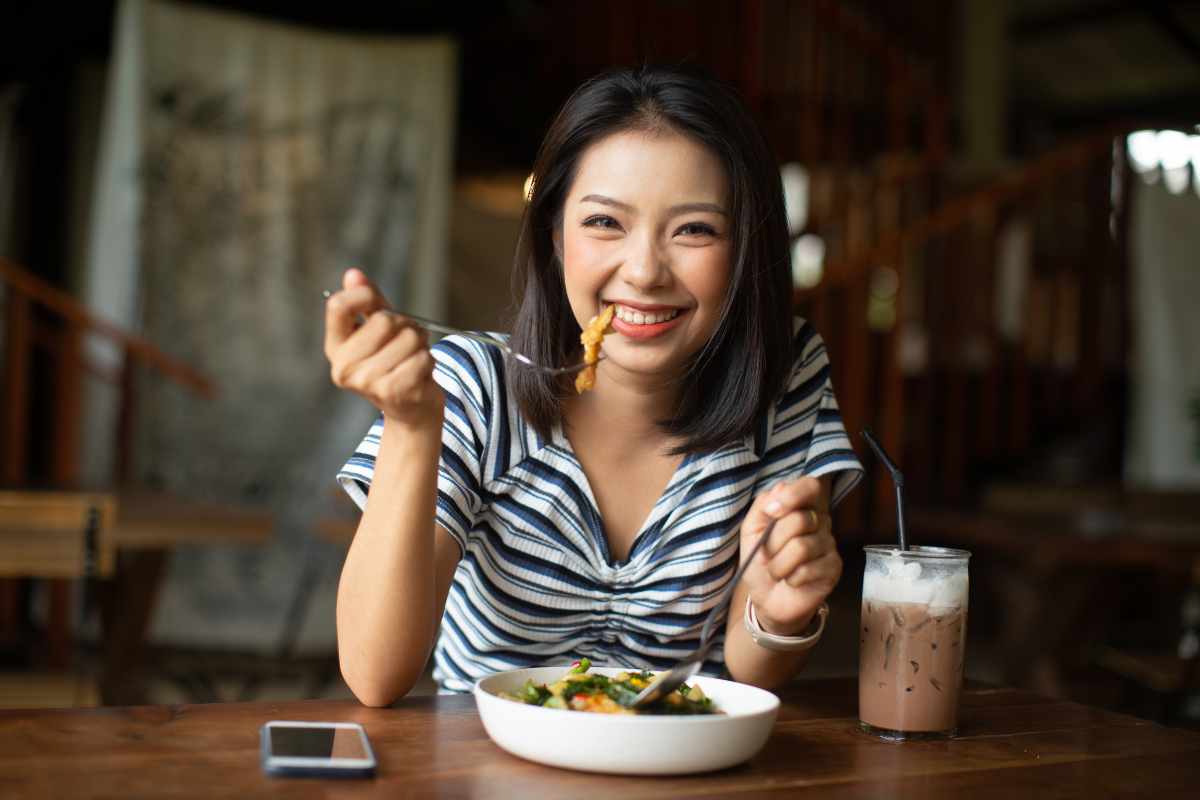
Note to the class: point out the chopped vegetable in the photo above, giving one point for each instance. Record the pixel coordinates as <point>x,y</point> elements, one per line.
<point>579,690</point>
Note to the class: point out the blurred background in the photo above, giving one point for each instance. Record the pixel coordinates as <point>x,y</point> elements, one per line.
<point>995,210</point>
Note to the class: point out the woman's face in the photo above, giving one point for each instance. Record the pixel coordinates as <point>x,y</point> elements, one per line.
<point>646,226</point>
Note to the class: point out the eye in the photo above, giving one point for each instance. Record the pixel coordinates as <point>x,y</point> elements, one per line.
<point>602,221</point>
<point>696,229</point>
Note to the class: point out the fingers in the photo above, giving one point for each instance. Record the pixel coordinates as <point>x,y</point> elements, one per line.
<point>358,298</point>
<point>797,552</point>
<point>802,522</point>
<point>408,376</point>
<point>376,349</point>
<point>354,277</point>
<point>824,571</point>
<point>800,550</point>
<point>778,502</point>
<point>385,343</point>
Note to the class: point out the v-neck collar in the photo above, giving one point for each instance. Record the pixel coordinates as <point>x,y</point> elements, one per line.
<point>653,519</point>
<point>692,467</point>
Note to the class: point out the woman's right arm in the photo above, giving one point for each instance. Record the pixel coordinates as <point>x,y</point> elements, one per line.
<point>397,573</point>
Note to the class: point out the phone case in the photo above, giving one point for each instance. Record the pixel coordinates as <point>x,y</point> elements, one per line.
<point>277,770</point>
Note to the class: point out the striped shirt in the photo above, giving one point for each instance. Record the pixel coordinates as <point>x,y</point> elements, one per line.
<point>536,583</point>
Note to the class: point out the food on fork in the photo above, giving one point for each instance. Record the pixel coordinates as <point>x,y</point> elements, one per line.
<point>591,338</point>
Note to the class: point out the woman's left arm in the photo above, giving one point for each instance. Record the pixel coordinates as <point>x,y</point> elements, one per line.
<point>789,579</point>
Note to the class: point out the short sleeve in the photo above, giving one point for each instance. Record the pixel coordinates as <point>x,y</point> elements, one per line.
<point>465,376</point>
<point>806,435</point>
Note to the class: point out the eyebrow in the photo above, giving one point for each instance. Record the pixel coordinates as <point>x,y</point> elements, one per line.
<point>683,208</point>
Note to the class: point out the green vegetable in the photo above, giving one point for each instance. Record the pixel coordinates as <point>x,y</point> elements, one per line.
<point>534,694</point>
<point>622,689</point>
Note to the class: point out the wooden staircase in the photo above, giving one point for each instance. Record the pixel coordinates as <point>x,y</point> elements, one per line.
<point>43,369</point>
<point>946,387</point>
<point>909,302</point>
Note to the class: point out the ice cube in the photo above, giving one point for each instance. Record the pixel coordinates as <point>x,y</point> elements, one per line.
<point>912,571</point>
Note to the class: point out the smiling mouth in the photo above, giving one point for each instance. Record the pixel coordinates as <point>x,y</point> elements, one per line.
<point>633,316</point>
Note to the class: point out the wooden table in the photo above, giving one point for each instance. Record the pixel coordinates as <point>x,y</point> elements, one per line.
<point>1013,744</point>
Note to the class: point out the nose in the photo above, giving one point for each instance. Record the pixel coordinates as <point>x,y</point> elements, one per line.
<point>645,266</point>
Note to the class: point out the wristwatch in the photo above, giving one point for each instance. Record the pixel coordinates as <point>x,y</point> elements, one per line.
<point>785,644</point>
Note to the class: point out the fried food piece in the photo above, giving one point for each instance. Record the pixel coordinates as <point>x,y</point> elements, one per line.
<point>591,338</point>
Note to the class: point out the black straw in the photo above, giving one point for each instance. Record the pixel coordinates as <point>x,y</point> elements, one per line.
<point>897,479</point>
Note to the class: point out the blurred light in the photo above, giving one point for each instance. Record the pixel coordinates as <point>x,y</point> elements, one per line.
<point>1176,179</point>
<point>808,260</point>
<point>1175,154</point>
<point>885,282</point>
<point>1143,150</point>
<point>1173,149</point>
<point>881,302</point>
<point>527,192</point>
<point>795,196</point>
<point>1194,146</point>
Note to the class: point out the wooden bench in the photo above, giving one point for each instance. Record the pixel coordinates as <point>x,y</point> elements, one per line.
<point>61,536</point>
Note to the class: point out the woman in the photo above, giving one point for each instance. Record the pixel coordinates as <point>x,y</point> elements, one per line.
<point>537,525</point>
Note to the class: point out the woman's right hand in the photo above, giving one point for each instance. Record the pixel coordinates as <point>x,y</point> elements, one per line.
<point>386,359</point>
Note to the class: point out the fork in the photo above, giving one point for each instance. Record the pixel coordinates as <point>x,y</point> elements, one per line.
<point>480,337</point>
<point>666,682</point>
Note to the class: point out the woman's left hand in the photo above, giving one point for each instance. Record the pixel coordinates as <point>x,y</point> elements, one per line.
<point>798,566</point>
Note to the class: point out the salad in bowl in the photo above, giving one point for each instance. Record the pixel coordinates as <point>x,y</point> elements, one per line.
<point>575,716</point>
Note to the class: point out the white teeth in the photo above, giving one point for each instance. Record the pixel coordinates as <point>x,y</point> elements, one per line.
<point>634,317</point>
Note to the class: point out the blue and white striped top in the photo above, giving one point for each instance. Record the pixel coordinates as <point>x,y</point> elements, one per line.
<point>536,584</point>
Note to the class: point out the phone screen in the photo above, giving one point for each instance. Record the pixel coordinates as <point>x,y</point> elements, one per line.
<point>295,742</point>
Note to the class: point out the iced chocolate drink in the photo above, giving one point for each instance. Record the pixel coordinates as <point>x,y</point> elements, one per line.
<point>912,638</point>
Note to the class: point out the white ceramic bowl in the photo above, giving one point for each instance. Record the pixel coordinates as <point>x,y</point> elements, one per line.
<point>627,744</point>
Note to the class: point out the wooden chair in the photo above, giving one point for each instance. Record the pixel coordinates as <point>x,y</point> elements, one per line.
<point>59,536</point>
<point>1168,675</point>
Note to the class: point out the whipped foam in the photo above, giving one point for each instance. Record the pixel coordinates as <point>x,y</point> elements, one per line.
<point>900,581</point>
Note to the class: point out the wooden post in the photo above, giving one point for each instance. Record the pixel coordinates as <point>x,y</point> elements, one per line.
<point>125,416</point>
<point>898,101</point>
<point>14,404</point>
<point>890,401</point>
<point>953,430</point>
<point>64,473</point>
<point>68,408</point>
<point>14,430</point>
<point>17,345</point>
<point>752,55</point>
<point>855,395</point>
<point>814,96</point>
<point>983,324</point>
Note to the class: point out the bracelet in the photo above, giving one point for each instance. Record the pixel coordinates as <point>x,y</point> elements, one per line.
<point>784,644</point>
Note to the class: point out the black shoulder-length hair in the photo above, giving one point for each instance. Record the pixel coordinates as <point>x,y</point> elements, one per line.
<point>732,381</point>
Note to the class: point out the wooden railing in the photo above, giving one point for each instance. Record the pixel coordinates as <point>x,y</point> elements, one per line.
<point>961,412</point>
<point>39,314</point>
<point>821,75</point>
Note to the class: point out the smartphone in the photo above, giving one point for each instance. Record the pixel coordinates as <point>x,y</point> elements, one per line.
<point>316,750</point>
